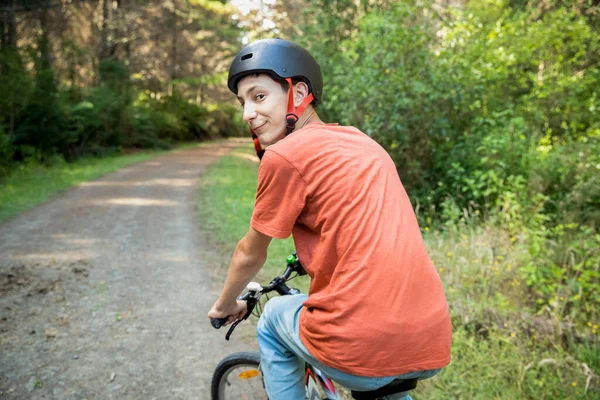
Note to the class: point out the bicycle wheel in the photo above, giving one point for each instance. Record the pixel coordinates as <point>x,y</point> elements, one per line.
<point>238,377</point>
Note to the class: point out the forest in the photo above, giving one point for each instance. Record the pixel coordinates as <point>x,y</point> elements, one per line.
<point>90,77</point>
<point>489,108</point>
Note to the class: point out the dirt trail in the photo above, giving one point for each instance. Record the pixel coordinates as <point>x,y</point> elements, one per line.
<point>104,291</point>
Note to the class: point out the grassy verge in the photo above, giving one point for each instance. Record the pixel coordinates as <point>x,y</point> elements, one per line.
<point>501,349</point>
<point>30,185</point>
<point>226,203</point>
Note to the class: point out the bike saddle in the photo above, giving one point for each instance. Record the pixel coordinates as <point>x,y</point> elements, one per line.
<point>396,386</point>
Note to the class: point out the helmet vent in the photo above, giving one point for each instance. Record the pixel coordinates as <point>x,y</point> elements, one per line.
<point>247,56</point>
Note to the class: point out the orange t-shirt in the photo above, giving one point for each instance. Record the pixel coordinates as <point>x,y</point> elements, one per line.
<point>376,304</point>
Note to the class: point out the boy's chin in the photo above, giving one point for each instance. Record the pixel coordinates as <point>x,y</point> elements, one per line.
<point>267,141</point>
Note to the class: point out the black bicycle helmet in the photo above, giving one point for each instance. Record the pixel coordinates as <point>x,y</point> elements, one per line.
<point>278,57</point>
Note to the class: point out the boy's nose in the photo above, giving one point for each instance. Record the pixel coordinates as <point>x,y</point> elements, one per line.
<point>249,113</point>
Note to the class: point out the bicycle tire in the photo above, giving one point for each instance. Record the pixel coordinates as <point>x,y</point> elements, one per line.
<point>222,378</point>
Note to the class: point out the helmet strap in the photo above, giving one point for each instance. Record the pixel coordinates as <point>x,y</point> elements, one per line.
<point>293,114</point>
<point>260,152</point>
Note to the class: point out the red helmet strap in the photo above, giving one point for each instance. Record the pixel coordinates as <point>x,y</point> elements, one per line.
<point>293,115</point>
<point>259,150</point>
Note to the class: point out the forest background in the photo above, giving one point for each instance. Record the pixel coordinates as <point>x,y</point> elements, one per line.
<point>489,108</point>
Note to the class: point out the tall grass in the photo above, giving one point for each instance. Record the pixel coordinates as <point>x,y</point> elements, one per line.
<point>502,349</point>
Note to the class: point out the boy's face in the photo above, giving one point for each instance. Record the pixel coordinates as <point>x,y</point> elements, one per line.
<point>265,107</point>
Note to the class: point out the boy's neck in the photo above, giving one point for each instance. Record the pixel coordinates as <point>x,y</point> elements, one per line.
<point>309,115</point>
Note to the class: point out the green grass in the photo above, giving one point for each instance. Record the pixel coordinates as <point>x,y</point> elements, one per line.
<point>30,185</point>
<point>501,349</point>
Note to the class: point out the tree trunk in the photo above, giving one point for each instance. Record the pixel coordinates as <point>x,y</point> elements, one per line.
<point>128,15</point>
<point>173,66</point>
<point>11,24</point>
<point>3,34</point>
<point>104,34</point>
<point>43,42</point>
<point>8,45</point>
<point>113,29</point>
<point>8,29</point>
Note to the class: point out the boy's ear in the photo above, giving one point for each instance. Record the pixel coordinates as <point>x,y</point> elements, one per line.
<point>300,93</point>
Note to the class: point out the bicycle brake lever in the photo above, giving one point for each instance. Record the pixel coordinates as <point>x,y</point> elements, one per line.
<point>230,331</point>
<point>236,323</point>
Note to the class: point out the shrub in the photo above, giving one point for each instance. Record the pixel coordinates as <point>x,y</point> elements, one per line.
<point>562,272</point>
<point>6,153</point>
<point>226,121</point>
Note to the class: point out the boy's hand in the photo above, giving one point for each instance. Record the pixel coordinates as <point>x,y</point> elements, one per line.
<point>232,311</point>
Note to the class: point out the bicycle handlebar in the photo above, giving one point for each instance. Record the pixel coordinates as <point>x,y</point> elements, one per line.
<point>277,284</point>
<point>217,323</point>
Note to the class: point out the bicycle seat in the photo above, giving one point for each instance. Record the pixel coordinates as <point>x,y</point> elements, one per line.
<point>396,386</point>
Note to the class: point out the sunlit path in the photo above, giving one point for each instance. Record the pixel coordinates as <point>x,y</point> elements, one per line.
<point>105,291</point>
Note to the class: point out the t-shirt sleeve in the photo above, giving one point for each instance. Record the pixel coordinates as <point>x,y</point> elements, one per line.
<point>280,196</point>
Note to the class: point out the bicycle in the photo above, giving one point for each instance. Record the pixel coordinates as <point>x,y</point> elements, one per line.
<point>247,383</point>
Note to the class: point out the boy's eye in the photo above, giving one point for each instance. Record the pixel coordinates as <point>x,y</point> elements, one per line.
<point>260,96</point>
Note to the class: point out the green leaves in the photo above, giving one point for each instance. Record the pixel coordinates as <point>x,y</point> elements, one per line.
<point>505,91</point>
<point>490,111</point>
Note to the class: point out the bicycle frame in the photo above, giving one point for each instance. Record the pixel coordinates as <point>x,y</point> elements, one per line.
<point>312,376</point>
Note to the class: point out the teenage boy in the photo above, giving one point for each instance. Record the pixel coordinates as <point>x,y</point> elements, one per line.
<point>376,310</point>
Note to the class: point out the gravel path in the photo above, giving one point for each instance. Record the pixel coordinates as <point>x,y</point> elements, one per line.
<point>104,290</point>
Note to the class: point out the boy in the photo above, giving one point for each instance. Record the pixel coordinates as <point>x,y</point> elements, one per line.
<point>376,310</point>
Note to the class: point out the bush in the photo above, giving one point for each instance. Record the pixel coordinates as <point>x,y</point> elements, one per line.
<point>16,86</point>
<point>42,126</point>
<point>562,272</point>
<point>226,121</point>
<point>6,153</point>
<point>568,173</point>
<point>490,102</point>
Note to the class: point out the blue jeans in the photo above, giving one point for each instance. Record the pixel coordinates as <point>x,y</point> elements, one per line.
<point>282,356</point>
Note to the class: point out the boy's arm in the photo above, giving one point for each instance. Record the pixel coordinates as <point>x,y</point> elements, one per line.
<point>249,256</point>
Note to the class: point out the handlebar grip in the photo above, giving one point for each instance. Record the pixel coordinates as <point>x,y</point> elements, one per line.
<point>217,322</point>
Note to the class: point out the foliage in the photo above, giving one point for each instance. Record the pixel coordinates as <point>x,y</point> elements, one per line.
<point>506,366</point>
<point>563,272</point>
<point>15,85</point>
<point>473,102</point>
<point>6,152</point>
<point>130,79</point>
<point>112,115</point>
<point>227,120</point>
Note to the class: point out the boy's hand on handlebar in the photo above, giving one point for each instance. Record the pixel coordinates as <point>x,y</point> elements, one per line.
<point>232,312</point>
